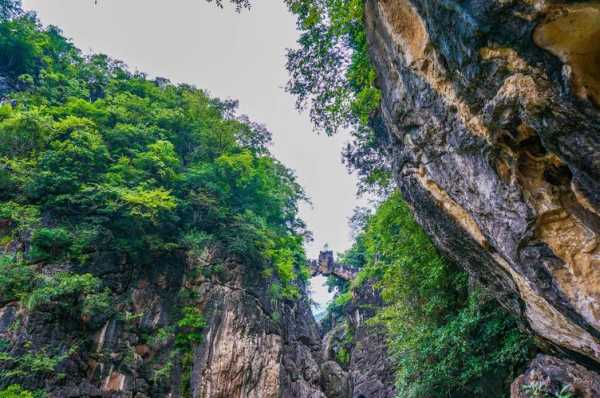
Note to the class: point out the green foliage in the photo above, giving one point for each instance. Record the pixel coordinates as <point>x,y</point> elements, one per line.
<point>331,72</point>
<point>49,244</point>
<point>444,341</point>
<point>9,9</point>
<point>72,293</point>
<point>190,327</point>
<point>39,364</point>
<point>96,162</point>
<point>163,374</point>
<point>342,356</point>
<point>161,337</point>
<point>15,278</point>
<point>477,352</point>
<point>343,299</point>
<point>20,219</point>
<point>15,391</point>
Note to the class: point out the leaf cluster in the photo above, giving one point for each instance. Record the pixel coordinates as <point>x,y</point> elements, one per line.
<point>331,74</point>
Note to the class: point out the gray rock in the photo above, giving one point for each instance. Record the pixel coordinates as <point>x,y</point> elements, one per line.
<point>495,141</point>
<point>550,376</point>
<point>335,382</point>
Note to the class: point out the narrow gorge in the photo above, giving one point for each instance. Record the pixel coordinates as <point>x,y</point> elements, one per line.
<point>151,244</point>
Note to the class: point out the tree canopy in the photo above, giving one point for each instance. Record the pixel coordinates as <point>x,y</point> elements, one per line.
<point>96,158</point>
<point>331,74</point>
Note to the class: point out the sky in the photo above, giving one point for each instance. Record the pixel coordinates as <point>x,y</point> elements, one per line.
<point>231,55</point>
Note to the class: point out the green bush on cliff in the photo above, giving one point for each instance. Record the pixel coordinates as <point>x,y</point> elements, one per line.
<point>79,295</point>
<point>16,391</point>
<point>49,243</point>
<point>15,278</point>
<point>445,340</point>
<point>190,327</point>
<point>97,162</point>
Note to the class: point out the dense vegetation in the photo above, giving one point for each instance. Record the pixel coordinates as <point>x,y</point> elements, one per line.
<point>446,341</point>
<point>94,156</point>
<point>331,73</point>
<point>96,161</point>
<point>101,164</point>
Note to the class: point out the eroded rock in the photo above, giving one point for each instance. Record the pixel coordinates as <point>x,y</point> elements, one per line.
<point>549,376</point>
<point>491,109</point>
<point>572,32</point>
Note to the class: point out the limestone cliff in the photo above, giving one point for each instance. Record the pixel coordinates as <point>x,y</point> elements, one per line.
<point>252,346</point>
<point>492,108</point>
<point>371,366</point>
<point>360,345</point>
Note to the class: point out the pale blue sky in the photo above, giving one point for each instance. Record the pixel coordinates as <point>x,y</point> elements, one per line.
<point>240,56</point>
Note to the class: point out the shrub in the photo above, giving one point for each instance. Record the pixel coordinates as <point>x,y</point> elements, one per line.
<point>49,244</point>
<point>15,278</point>
<point>15,391</point>
<point>75,293</point>
<point>190,327</point>
<point>444,339</point>
<point>342,356</point>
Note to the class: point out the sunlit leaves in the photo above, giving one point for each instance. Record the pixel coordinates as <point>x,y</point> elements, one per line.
<point>96,159</point>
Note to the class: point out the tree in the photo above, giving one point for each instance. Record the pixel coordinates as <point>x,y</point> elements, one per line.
<point>9,9</point>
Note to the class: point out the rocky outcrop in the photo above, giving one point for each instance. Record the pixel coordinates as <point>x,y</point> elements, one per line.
<point>359,345</point>
<point>492,111</point>
<point>362,346</point>
<point>371,367</point>
<point>552,377</point>
<point>255,350</point>
<point>253,347</point>
<point>130,352</point>
<point>326,266</point>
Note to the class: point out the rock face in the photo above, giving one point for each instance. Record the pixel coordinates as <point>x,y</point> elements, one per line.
<point>326,266</point>
<point>361,346</point>
<point>368,361</point>
<point>252,346</point>
<point>549,376</point>
<point>492,110</point>
<point>370,367</point>
<point>249,354</point>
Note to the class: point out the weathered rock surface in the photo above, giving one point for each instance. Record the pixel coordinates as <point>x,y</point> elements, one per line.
<point>549,376</point>
<point>370,367</point>
<point>248,354</point>
<point>492,111</point>
<point>252,347</point>
<point>369,363</point>
<point>326,266</point>
<point>335,381</point>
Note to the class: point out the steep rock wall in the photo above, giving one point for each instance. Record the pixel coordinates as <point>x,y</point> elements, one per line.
<point>362,346</point>
<point>371,366</point>
<point>492,110</point>
<point>550,376</point>
<point>252,346</point>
